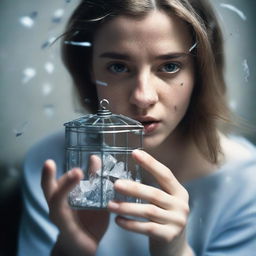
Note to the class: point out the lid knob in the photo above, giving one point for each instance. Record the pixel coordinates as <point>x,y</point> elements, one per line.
<point>103,111</point>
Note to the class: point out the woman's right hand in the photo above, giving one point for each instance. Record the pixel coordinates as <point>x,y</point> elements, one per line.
<point>80,230</point>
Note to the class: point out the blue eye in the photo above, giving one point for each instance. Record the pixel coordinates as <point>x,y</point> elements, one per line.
<point>118,68</point>
<point>170,68</point>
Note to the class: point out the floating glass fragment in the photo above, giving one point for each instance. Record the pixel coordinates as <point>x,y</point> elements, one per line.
<point>49,110</point>
<point>28,74</point>
<point>98,82</point>
<point>33,15</point>
<point>75,33</point>
<point>48,43</point>
<point>46,89</point>
<point>84,44</point>
<point>49,67</point>
<point>20,130</point>
<point>234,9</point>
<point>58,15</point>
<point>246,70</point>
<point>192,47</point>
<point>27,21</point>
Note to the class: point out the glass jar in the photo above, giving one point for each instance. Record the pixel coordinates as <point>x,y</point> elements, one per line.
<point>101,145</point>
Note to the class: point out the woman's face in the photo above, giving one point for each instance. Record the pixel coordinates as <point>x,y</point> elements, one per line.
<point>143,67</point>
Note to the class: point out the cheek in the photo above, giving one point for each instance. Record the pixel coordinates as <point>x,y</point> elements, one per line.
<point>182,96</point>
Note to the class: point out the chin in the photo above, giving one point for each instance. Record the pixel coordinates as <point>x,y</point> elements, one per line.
<point>152,142</point>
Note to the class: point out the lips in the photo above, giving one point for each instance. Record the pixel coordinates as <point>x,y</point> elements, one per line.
<point>150,124</point>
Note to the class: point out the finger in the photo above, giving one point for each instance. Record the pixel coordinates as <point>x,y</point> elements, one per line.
<point>152,229</point>
<point>66,183</point>
<point>145,192</point>
<point>146,211</point>
<point>94,164</point>
<point>161,173</point>
<point>48,179</point>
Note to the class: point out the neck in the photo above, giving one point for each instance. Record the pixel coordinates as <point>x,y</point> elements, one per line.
<point>183,158</point>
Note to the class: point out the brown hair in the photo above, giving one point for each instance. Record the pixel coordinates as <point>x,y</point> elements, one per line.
<point>208,103</point>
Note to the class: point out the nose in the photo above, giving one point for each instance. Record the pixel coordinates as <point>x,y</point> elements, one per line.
<point>144,93</point>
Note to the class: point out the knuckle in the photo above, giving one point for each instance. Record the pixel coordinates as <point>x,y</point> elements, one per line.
<point>156,194</point>
<point>151,228</point>
<point>166,176</point>
<point>151,211</point>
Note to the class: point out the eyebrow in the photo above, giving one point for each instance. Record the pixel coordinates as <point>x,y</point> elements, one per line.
<point>121,56</point>
<point>115,55</point>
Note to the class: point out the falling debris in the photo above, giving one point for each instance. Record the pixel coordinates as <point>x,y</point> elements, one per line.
<point>26,21</point>
<point>234,9</point>
<point>246,70</point>
<point>98,82</point>
<point>193,47</point>
<point>28,74</point>
<point>49,110</point>
<point>49,67</point>
<point>29,20</point>
<point>75,33</point>
<point>20,130</point>
<point>48,42</point>
<point>58,15</point>
<point>84,44</point>
<point>46,89</point>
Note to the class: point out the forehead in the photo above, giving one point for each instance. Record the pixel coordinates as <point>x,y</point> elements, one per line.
<point>155,28</point>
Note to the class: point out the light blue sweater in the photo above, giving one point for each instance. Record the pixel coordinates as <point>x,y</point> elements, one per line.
<point>222,210</point>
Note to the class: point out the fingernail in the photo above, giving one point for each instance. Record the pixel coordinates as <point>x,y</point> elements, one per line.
<point>137,152</point>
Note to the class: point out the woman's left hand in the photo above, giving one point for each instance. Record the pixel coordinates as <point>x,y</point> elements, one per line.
<point>167,209</point>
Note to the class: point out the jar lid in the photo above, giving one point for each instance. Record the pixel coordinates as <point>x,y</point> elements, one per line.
<point>104,119</point>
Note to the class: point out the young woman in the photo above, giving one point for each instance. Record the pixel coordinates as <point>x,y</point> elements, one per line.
<point>161,63</point>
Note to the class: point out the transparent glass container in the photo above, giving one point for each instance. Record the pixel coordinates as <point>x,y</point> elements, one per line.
<point>101,145</point>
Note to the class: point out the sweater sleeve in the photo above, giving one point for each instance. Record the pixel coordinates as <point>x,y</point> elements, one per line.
<point>37,234</point>
<point>235,230</point>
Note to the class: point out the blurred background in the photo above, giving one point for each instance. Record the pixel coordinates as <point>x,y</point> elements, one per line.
<point>36,95</point>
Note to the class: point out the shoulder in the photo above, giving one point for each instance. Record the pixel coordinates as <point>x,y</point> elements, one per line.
<point>233,184</point>
<point>237,149</point>
<point>223,204</point>
<point>240,163</point>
